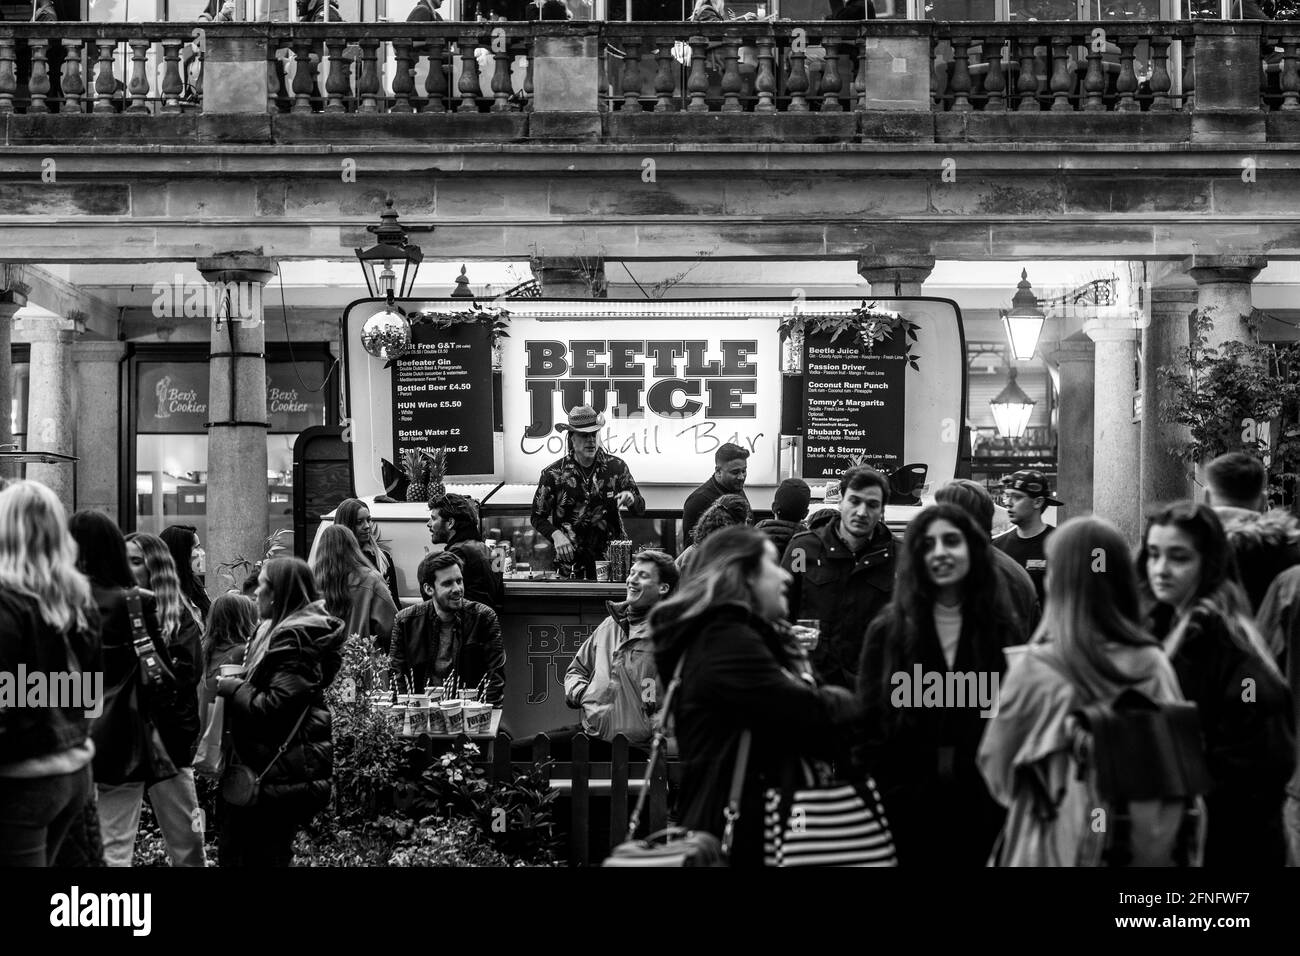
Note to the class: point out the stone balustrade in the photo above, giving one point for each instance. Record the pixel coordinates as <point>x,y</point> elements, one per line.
<point>817,81</point>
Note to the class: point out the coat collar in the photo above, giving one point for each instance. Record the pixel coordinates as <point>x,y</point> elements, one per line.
<point>879,549</point>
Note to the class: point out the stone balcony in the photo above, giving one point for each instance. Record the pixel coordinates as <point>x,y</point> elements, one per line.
<point>1069,84</point>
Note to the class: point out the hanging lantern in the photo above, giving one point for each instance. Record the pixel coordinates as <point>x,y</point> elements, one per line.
<point>386,335</point>
<point>1012,408</point>
<point>1024,323</point>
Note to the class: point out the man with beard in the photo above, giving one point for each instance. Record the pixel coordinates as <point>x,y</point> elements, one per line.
<point>844,574</point>
<point>453,522</point>
<point>448,633</point>
<point>728,478</point>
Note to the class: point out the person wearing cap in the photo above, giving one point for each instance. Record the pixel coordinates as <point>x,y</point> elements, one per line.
<point>1026,496</point>
<point>580,497</point>
<point>728,478</point>
<point>789,508</point>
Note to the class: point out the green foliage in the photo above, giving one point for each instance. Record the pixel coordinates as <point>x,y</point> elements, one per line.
<point>397,841</point>
<point>496,318</point>
<point>871,325</point>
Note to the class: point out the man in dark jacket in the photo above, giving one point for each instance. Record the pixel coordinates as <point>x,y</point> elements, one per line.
<point>729,468</point>
<point>844,574</point>
<point>1265,543</point>
<point>454,522</point>
<point>447,633</point>
<point>789,508</point>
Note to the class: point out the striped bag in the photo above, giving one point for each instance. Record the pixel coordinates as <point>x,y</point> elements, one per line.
<point>839,825</point>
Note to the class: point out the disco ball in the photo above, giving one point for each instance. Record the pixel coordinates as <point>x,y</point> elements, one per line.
<point>386,335</point>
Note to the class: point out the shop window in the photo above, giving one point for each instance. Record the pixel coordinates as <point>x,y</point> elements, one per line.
<point>1044,9</point>
<point>960,10</point>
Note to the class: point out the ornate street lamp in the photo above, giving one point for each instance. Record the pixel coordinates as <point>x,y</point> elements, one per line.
<point>1012,408</point>
<point>392,249</point>
<point>1024,323</point>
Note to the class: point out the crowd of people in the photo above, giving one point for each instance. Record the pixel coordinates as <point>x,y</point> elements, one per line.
<point>800,645</point>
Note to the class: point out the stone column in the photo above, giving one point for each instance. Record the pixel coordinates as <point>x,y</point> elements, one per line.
<point>237,488</point>
<point>1223,292</point>
<point>1115,435</point>
<point>50,423</point>
<point>1165,475</point>
<point>577,277</point>
<point>1075,416</point>
<point>10,302</point>
<point>98,365</point>
<point>894,274</point>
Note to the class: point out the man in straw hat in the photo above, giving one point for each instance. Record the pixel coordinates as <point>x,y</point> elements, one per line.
<point>579,498</point>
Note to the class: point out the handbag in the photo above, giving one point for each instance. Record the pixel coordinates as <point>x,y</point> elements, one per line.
<point>209,758</point>
<point>128,747</point>
<point>677,846</point>
<point>840,824</point>
<point>240,787</point>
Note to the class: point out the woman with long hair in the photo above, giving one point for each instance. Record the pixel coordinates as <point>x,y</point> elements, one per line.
<point>946,626</point>
<point>1089,646</point>
<point>1203,616</point>
<point>231,625</point>
<point>280,703</point>
<point>182,541</point>
<point>741,670</point>
<point>175,714</point>
<point>727,511</point>
<point>48,625</point>
<point>352,589</point>
<point>354,514</point>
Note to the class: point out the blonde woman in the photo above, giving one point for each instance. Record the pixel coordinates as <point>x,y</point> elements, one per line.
<point>48,624</point>
<point>174,800</point>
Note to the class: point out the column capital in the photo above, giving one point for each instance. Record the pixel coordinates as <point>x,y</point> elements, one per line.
<point>237,267</point>
<point>64,330</point>
<point>901,267</point>
<point>1111,328</point>
<point>98,350</point>
<point>1077,348</point>
<point>1241,268</point>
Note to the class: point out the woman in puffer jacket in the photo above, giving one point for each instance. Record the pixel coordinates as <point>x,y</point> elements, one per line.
<point>281,700</point>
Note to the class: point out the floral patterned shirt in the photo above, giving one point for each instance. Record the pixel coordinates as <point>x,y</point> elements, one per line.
<point>584,503</point>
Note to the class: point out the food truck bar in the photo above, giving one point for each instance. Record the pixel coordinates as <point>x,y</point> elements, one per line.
<point>674,380</point>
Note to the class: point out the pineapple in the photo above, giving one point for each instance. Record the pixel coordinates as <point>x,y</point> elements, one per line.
<point>435,463</point>
<point>417,472</point>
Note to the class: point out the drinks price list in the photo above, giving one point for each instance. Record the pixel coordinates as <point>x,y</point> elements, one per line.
<point>854,402</point>
<point>442,396</point>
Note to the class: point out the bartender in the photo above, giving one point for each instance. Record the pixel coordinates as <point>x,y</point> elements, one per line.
<point>580,498</point>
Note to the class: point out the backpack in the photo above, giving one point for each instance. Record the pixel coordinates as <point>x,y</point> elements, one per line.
<point>1142,766</point>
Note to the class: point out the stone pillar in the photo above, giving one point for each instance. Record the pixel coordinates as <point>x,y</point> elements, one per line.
<point>10,302</point>
<point>237,488</point>
<point>896,274</point>
<point>1115,434</point>
<point>50,423</point>
<point>1223,292</point>
<point>1075,417</point>
<point>1165,475</point>
<point>98,367</point>
<point>571,276</point>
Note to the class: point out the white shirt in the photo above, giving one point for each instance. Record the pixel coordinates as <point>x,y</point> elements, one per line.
<point>947,623</point>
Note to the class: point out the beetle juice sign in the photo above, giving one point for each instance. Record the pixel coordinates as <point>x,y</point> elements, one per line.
<point>672,392</point>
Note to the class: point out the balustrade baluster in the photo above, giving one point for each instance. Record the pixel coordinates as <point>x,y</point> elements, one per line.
<point>1127,83</point>
<point>171,85</point>
<point>403,76</point>
<point>8,75</point>
<point>831,74</point>
<point>38,85</point>
<point>74,85</point>
<point>765,81</point>
<point>368,89</point>
<point>1094,82</point>
<point>1290,79</point>
<point>105,82</point>
<point>1062,77</point>
<point>469,82</point>
<point>304,76</point>
<point>665,76</point>
<point>632,75</point>
<point>1161,83</point>
<point>139,85</point>
<point>959,78</point>
<point>1189,73</point>
<point>995,79</point>
<point>338,84</point>
<point>1027,84</point>
<point>797,82</point>
<point>697,84</point>
<point>502,88</point>
<point>860,81</point>
<point>731,73</point>
<point>435,84</point>
<point>530,50</point>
